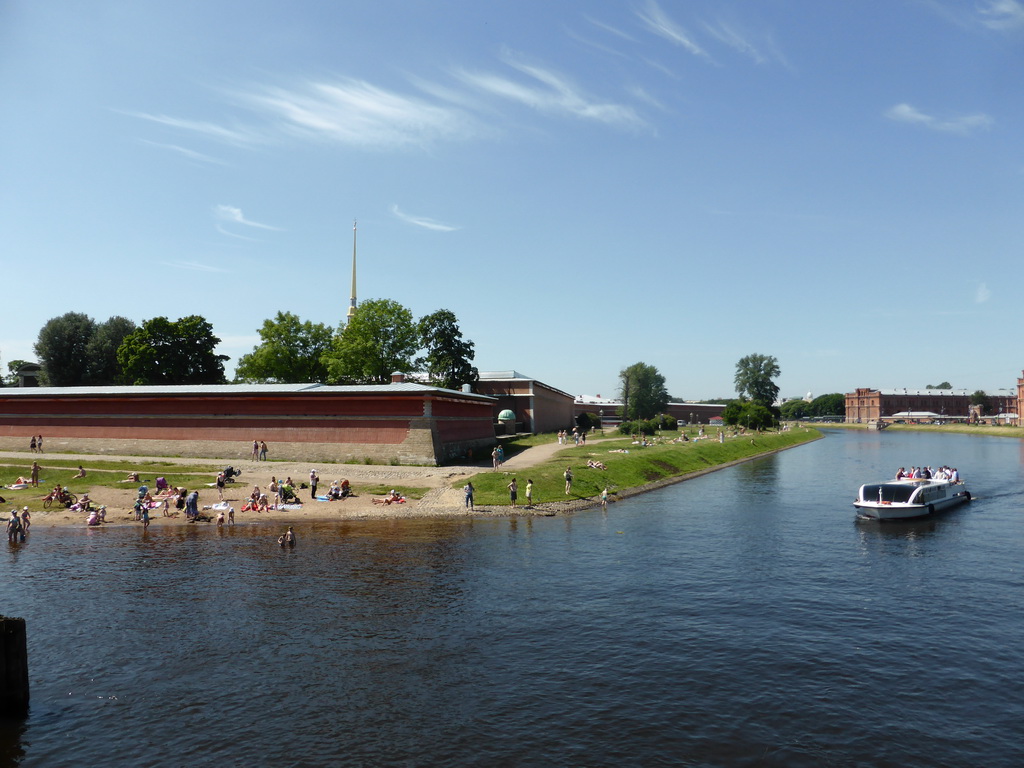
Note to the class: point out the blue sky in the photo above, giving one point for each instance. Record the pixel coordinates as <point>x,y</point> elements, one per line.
<point>584,184</point>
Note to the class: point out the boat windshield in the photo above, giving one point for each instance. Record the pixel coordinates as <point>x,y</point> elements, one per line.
<point>899,494</point>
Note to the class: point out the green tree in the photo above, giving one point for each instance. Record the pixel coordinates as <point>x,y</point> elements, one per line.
<point>642,390</point>
<point>162,351</point>
<point>748,414</point>
<point>754,379</point>
<point>449,358</point>
<point>102,351</point>
<point>291,351</point>
<point>980,398</point>
<point>62,348</point>
<point>793,410</point>
<point>379,339</point>
<point>943,385</point>
<point>833,404</point>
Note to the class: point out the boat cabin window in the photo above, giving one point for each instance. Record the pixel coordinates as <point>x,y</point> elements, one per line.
<point>899,494</point>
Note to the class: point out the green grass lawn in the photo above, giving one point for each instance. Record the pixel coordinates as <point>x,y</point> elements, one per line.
<point>624,470</point>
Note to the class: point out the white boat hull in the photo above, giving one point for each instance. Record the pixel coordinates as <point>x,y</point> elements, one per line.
<point>906,499</point>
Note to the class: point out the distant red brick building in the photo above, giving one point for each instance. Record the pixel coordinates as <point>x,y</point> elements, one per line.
<point>692,413</point>
<point>866,405</point>
<point>399,422</point>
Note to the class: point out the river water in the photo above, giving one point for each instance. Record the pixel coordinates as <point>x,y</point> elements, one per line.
<point>745,618</point>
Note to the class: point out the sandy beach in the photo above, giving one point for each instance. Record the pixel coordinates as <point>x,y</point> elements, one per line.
<point>441,500</point>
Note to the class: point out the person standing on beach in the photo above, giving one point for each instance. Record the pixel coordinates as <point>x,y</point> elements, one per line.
<point>468,488</point>
<point>255,450</point>
<point>314,478</point>
<point>568,480</point>
<point>529,492</point>
<point>513,489</point>
<point>35,473</point>
<point>220,486</point>
<point>263,450</point>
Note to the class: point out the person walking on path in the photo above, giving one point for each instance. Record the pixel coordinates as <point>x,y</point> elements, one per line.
<point>568,480</point>
<point>263,450</point>
<point>255,450</point>
<point>494,458</point>
<point>468,488</point>
<point>529,493</point>
<point>39,444</point>
<point>32,444</point>
<point>513,490</point>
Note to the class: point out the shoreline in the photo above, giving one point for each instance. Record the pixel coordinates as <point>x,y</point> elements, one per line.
<point>440,502</point>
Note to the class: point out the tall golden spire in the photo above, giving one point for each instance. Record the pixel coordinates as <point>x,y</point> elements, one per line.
<point>352,301</point>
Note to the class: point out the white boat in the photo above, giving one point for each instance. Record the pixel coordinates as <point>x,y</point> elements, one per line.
<point>906,498</point>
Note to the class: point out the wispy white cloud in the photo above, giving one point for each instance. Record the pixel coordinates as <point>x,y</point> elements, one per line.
<point>555,94</point>
<point>963,125</point>
<point>730,36</point>
<point>192,266</point>
<point>234,215</point>
<point>236,136</point>
<point>982,294</point>
<point>659,23</point>
<point>189,153</point>
<point>355,112</point>
<point>1002,14</point>
<point>423,221</point>
<point>235,235</point>
<point>609,28</point>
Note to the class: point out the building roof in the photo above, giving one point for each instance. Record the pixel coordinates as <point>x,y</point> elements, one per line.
<point>516,376</point>
<point>235,389</point>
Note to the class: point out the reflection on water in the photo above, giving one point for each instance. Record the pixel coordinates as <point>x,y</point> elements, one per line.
<point>744,618</point>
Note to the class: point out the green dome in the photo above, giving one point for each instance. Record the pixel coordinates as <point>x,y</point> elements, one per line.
<point>506,415</point>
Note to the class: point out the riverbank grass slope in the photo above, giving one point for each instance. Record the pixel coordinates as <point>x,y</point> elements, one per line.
<point>628,466</point>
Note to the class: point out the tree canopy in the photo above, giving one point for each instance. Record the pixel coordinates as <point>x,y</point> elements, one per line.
<point>163,351</point>
<point>449,358</point>
<point>379,339</point>
<point>642,390</point>
<point>102,350</point>
<point>291,351</point>
<point>750,414</point>
<point>980,398</point>
<point>943,385</point>
<point>62,348</point>
<point>754,379</point>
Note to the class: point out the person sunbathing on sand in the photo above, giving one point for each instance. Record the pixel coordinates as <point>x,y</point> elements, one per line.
<point>394,497</point>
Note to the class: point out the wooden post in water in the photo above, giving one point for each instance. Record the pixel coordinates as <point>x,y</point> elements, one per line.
<point>13,668</point>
